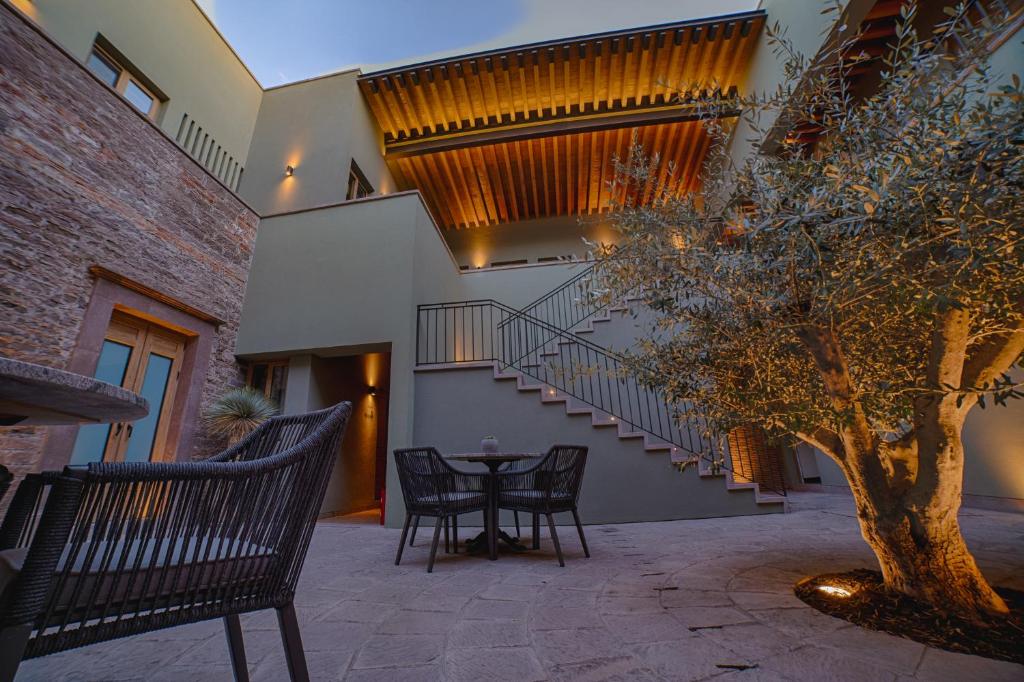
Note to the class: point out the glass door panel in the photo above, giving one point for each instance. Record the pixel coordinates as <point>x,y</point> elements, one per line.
<point>154,390</point>
<point>112,368</point>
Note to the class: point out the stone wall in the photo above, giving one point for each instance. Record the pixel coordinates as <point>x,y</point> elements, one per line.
<point>87,181</point>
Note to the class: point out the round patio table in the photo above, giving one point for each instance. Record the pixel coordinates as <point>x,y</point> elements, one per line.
<point>493,460</point>
<point>32,395</point>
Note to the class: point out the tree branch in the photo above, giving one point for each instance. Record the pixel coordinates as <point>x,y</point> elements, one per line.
<point>825,440</point>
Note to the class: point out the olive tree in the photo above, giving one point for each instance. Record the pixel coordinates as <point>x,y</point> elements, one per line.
<point>862,294</point>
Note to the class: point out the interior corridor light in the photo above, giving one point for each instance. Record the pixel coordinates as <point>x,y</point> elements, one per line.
<point>372,390</point>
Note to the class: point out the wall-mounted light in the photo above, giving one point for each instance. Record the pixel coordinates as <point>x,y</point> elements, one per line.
<point>289,171</point>
<point>372,390</point>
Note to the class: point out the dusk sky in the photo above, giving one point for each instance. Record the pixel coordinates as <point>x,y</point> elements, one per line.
<point>282,42</point>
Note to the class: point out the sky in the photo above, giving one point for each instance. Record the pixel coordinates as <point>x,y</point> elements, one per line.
<point>285,41</point>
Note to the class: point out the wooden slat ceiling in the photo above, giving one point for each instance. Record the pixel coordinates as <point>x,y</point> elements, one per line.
<point>530,131</point>
<point>557,175</point>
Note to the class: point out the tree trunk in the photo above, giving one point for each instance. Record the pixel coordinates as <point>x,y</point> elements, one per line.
<point>922,553</point>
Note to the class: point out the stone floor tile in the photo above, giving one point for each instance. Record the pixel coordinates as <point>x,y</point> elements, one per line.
<point>709,616</point>
<point>558,618</point>
<point>416,623</point>
<point>490,609</point>
<point>357,611</point>
<point>422,673</point>
<point>646,627</point>
<point>946,666</point>
<point>487,633</point>
<point>578,645</point>
<point>508,665</point>
<point>825,665</point>
<point>387,651</point>
<point>895,653</point>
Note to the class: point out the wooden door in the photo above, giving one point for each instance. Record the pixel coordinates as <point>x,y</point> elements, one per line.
<point>144,358</point>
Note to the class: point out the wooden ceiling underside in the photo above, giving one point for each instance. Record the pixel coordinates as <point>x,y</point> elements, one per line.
<point>560,175</point>
<point>530,131</point>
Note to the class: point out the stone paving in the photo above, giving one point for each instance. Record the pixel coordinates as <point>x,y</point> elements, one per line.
<point>681,600</point>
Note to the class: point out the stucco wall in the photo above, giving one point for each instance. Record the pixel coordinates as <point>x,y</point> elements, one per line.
<point>171,43</point>
<point>528,239</point>
<point>85,180</point>
<point>316,126</point>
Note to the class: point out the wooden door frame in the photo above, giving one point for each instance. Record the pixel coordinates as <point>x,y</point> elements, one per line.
<point>111,292</point>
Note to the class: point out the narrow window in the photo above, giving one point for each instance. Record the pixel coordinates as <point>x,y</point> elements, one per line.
<point>358,185</point>
<point>114,71</point>
<point>270,379</point>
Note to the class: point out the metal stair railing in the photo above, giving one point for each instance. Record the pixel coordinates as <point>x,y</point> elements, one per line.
<point>485,330</point>
<point>488,331</point>
<point>567,305</point>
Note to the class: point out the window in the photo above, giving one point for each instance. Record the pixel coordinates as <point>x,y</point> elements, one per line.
<point>358,185</point>
<point>144,358</point>
<point>127,82</point>
<point>270,379</point>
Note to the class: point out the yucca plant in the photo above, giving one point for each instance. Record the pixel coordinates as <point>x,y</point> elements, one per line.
<point>238,412</point>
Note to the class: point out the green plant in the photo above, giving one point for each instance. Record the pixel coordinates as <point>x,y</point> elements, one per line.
<point>863,295</point>
<point>238,412</point>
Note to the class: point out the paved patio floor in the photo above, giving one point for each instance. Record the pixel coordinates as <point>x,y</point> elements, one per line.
<point>680,600</point>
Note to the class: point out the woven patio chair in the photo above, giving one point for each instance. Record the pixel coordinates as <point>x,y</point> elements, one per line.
<point>433,487</point>
<point>122,548</point>
<point>548,487</point>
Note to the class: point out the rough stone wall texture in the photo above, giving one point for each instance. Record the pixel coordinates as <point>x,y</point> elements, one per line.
<point>86,181</point>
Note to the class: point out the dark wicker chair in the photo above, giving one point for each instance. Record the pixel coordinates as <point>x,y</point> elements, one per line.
<point>123,548</point>
<point>548,487</point>
<point>432,487</point>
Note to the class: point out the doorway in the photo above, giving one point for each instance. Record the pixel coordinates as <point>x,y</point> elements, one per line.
<point>357,480</point>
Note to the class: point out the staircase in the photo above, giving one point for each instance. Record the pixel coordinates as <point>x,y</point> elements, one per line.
<point>542,349</point>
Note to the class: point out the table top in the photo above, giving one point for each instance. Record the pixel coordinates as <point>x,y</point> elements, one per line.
<point>33,394</point>
<point>492,456</point>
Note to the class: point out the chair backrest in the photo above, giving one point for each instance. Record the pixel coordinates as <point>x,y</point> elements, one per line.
<point>560,473</point>
<point>421,474</point>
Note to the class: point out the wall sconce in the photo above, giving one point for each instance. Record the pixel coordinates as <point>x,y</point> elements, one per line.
<point>372,390</point>
<point>289,171</point>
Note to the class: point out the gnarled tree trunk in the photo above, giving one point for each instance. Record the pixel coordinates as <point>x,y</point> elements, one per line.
<point>908,494</point>
<point>914,532</point>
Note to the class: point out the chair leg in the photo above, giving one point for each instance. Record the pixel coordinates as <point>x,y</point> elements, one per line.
<point>516,514</point>
<point>447,536</point>
<point>536,531</point>
<point>233,629</point>
<point>433,546</point>
<point>13,641</point>
<point>415,527</point>
<point>293,652</point>
<point>554,539</point>
<point>401,543</point>
<point>579,527</point>
<point>455,532</point>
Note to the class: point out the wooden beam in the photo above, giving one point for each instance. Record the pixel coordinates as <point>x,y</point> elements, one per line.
<point>565,126</point>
